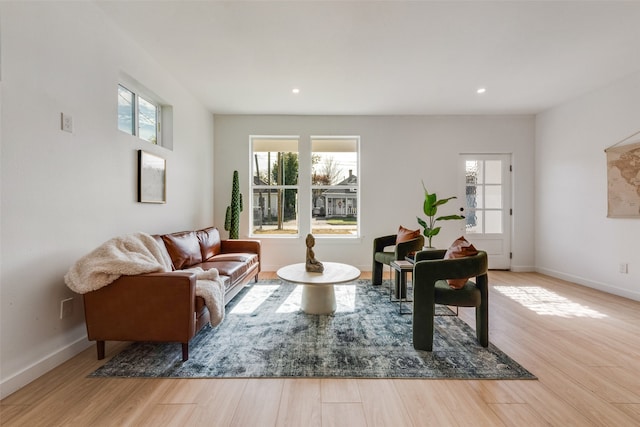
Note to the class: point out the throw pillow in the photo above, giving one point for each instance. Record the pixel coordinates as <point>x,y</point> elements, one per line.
<point>405,234</point>
<point>459,249</point>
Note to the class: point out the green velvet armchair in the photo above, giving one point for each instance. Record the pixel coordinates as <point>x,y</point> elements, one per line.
<point>430,287</point>
<point>381,256</point>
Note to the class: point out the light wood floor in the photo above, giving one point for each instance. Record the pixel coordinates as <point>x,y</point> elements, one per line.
<point>583,345</point>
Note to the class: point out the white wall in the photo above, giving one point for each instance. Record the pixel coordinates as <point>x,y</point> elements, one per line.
<point>63,194</point>
<point>396,154</point>
<point>574,238</point>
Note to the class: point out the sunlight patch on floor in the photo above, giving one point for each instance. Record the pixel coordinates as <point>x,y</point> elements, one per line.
<point>292,303</point>
<point>252,300</point>
<point>547,303</point>
<point>345,299</point>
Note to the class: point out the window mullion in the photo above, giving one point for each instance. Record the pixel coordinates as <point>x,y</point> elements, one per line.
<point>136,120</point>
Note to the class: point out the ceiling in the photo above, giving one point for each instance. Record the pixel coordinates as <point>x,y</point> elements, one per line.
<point>386,57</point>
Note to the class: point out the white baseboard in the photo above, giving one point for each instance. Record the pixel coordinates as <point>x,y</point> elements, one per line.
<point>41,367</point>
<point>522,268</point>
<point>604,287</point>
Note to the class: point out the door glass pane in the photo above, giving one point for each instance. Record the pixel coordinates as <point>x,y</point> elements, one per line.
<point>474,172</point>
<point>493,196</point>
<point>493,172</point>
<point>480,197</point>
<point>471,196</point>
<point>473,220</point>
<point>126,110</point>
<point>493,221</point>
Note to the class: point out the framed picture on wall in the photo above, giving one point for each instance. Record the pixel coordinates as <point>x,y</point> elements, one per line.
<point>152,178</point>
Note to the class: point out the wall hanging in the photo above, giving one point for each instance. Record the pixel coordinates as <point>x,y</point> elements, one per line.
<point>623,178</point>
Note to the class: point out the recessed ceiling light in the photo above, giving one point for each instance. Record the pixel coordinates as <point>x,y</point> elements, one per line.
<point>295,90</point>
<point>481,90</point>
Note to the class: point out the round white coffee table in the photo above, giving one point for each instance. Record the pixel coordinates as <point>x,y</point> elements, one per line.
<point>318,295</point>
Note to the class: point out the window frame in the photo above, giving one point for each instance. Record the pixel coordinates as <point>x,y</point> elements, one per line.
<point>158,116</point>
<point>162,112</point>
<point>348,188</point>
<point>131,109</point>
<point>252,186</point>
<point>304,187</point>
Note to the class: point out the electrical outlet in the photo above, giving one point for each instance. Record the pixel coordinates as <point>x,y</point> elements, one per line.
<point>66,122</point>
<point>624,268</point>
<point>66,308</point>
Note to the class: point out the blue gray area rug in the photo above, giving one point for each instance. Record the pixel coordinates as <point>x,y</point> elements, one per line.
<point>265,334</point>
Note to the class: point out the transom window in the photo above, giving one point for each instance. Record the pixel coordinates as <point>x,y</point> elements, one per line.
<point>142,116</point>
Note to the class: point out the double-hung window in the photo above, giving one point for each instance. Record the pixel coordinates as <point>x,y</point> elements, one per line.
<point>334,186</point>
<point>274,186</point>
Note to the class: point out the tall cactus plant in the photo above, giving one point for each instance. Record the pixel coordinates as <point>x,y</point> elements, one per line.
<point>232,218</point>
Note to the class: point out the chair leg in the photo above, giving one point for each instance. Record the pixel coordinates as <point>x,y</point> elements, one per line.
<point>423,321</point>
<point>376,274</point>
<point>482,325</point>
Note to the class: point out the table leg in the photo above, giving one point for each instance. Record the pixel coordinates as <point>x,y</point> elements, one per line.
<point>403,290</point>
<point>401,284</point>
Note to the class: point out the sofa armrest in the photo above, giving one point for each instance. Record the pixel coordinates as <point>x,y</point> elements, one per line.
<point>149,307</point>
<point>240,245</point>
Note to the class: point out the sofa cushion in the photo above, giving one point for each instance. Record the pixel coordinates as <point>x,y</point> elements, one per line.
<point>246,258</point>
<point>234,269</point>
<point>209,240</point>
<point>183,248</point>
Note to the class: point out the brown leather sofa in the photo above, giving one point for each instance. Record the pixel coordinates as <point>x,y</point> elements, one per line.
<point>163,306</point>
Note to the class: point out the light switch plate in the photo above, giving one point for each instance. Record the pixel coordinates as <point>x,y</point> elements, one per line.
<point>66,308</point>
<point>66,122</point>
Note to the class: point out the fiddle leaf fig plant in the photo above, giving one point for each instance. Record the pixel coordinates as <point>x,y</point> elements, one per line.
<point>430,208</point>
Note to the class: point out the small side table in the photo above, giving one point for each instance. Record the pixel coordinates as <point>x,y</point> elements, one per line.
<point>402,267</point>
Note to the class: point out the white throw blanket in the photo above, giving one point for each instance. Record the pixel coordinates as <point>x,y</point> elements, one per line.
<point>139,253</point>
<point>210,287</point>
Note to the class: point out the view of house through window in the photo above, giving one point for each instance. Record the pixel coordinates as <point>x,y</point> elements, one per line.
<point>334,186</point>
<point>274,186</point>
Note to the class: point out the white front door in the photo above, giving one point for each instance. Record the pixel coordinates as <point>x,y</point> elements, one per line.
<point>486,189</point>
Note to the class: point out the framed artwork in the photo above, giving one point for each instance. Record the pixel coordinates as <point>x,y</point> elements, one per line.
<point>152,178</point>
<point>623,180</point>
